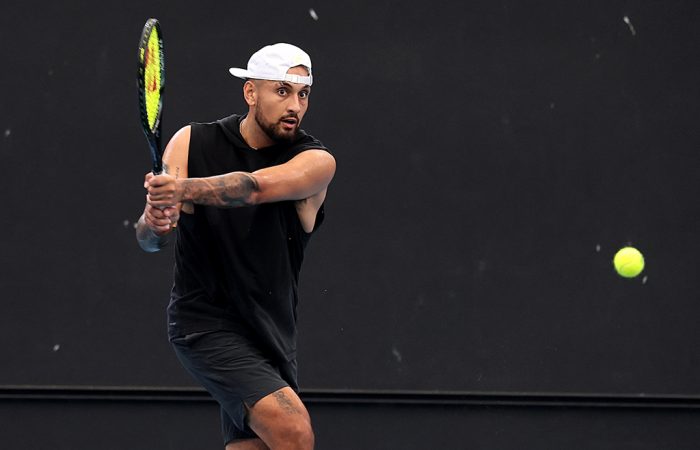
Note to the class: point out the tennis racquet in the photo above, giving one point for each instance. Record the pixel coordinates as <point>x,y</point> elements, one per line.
<point>151,80</point>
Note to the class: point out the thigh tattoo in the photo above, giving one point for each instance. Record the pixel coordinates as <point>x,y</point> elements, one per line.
<point>285,403</point>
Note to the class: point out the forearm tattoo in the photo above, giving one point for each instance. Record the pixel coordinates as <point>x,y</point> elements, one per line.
<point>229,190</point>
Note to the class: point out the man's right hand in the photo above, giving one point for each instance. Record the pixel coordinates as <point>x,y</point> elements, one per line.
<point>160,221</point>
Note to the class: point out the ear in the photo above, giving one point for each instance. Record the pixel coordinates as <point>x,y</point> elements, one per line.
<point>250,93</point>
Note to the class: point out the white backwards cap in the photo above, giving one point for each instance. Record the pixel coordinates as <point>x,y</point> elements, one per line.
<point>272,63</point>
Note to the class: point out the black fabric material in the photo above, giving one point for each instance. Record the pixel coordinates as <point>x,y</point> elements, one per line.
<point>238,268</point>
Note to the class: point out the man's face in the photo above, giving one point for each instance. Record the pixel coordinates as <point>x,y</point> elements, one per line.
<point>281,105</point>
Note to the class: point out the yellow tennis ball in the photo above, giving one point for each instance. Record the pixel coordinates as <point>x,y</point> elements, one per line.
<point>628,262</point>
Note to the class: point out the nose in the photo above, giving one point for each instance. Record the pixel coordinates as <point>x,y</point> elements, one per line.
<point>294,104</point>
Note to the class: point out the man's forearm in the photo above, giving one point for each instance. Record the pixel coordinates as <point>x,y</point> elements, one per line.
<point>224,191</point>
<point>147,239</point>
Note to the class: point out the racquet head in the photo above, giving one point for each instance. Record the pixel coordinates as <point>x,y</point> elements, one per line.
<point>151,80</point>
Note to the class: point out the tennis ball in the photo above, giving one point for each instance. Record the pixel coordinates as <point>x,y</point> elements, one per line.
<point>628,262</point>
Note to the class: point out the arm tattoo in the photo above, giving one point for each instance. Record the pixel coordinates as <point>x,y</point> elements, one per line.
<point>166,169</point>
<point>147,239</point>
<point>285,403</point>
<point>225,191</point>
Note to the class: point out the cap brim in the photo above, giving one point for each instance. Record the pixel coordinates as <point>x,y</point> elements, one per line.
<point>240,73</point>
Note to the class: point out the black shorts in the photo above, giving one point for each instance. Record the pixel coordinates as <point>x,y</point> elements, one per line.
<point>235,372</point>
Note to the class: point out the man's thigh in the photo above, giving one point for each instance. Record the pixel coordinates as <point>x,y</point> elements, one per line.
<point>281,417</point>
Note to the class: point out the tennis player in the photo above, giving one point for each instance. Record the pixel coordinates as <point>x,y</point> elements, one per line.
<point>246,193</point>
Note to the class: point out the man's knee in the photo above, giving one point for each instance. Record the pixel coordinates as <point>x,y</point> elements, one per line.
<point>305,436</point>
<point>247,444</point>
<point>299,432</point>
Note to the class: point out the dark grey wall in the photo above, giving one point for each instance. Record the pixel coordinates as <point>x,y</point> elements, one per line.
<point>492,156</point>
<point>137,425</point>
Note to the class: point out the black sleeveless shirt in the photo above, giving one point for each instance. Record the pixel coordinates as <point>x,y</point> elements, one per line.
<point>238,268</point>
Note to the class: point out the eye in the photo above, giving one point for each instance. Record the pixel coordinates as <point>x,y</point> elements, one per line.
<point>282,91</point>
<point>304,94</point>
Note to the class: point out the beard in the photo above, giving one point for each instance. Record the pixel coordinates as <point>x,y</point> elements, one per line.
<point>274,131</point>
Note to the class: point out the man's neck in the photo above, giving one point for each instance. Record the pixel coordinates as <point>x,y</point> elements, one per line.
<point>253,135</point>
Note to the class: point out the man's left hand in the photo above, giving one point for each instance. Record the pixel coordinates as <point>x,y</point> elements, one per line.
<point>163,190</point>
